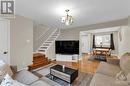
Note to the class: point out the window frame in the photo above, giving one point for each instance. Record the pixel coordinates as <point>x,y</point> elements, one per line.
<point>103,46</point>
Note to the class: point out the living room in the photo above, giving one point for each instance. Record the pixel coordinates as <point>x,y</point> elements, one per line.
<point>65,43</point>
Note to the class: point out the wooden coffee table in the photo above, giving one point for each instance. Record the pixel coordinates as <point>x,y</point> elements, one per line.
<point>66,74</point>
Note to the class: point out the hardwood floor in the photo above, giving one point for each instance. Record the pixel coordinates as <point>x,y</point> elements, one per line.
<point>83,65</point>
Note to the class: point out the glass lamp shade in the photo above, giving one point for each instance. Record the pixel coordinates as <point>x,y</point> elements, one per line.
<point>67,20</point>
<point>63,19</point>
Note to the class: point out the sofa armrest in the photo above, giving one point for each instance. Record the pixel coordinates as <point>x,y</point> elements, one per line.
<point>113,61</point>
<point>14,69</point>
<point>26,77</point>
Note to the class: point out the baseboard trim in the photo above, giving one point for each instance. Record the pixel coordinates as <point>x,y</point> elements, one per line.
<point>26,68</point>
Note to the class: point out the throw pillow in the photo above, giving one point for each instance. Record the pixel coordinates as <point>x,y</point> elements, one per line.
<point>4,69</point>
<point>121,76</point>
<point>125,63</point>
<point>121,83</point>
<point>7,81</point>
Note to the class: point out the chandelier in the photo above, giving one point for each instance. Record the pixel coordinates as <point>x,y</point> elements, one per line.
<point>68,19</point>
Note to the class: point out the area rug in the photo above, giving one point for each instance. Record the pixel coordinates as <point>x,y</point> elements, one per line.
<point>84,79</point>
<point>97,57</point>
<point>43,70</point>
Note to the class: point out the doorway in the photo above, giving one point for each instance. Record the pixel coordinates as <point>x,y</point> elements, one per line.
<point>85,43</point>
<point>5,40</point>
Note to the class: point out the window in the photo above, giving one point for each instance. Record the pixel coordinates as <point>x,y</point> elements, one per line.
<point>102,40</point>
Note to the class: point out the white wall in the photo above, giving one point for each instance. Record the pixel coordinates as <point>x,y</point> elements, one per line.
<point>21,37</point>
<point>115,38</point>
<point>124,41</point>
<point>73,33</point>
<point>38,30</point>
<point>69,35</point>
<point>97,32</point>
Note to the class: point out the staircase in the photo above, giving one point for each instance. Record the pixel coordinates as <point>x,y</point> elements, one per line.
<point>37,42</point>
<point>47,43</point>
<point>39,57</point>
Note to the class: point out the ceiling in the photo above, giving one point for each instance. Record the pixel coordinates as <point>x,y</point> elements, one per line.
<point>84,12</point>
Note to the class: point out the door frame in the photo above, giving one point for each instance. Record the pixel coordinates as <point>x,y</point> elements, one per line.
<point>86,35</point>
<point>8,39</point>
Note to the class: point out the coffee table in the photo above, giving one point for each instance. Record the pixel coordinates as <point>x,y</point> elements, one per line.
<point>66,74</point>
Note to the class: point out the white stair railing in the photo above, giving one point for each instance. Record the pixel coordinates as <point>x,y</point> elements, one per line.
<point>40,40</point>
<point>58,33</point>
<point>49,41</point>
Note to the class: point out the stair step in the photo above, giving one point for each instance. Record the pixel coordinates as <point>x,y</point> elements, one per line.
<point>41,50</point>
<point>55,33</point>
<point>39,60</point>
<point>43,47</point>
<point>53,37</point>
<point>50,39</point>
<point>48,42</point>
<point>38,55</point>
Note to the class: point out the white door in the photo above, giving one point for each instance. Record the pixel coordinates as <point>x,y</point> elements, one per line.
<point>85,44</point>
<point>4,40</point>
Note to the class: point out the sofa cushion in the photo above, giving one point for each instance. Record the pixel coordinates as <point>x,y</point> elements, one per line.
<point>26,77</point>
<point>125,63</point>
<point>121,76</point>
<point>5,68</point>
<point>104,80</point>
<point>128,78</point>
<point>108,69</point>
<point>16,83</point>
<point>47,80</point>
<point>8,81</point>
<point>39,83</point>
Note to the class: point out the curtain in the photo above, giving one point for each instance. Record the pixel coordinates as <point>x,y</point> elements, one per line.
<point>112,43</point>
<point>94,46</point>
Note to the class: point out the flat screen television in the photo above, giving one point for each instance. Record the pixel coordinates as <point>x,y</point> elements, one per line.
<point>67,47</point>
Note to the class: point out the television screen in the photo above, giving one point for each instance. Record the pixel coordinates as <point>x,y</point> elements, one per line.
<point>67,47</point>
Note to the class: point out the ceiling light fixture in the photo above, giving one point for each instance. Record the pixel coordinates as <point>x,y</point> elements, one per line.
<point>68,19</point>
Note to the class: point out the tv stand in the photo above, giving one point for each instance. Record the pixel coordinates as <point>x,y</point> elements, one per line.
<point>67,57</point>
